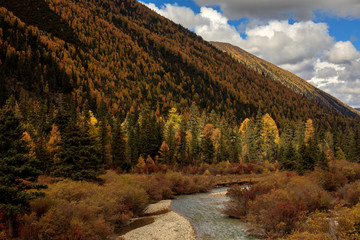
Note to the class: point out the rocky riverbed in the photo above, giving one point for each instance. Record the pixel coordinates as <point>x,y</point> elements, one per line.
<point>167,224</point>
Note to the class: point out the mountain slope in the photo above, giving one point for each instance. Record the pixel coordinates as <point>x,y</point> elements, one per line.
<point>286,78</point>
<point>111,55</point>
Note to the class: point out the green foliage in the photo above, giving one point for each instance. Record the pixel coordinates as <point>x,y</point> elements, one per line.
<point>18,172</point>
<point>118,149</point>
<point>78,156</point>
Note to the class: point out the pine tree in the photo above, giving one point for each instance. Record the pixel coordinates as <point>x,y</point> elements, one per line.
<point>289,158</point>
<point>182,143</point>
<point>18,173</point>
<point>147,133</point>
<point>118,149</point>
<point>340,155</point>
<point>256,143</point>
<point>79,158</point>
<point>207,145</point>
<point>105,142</point>
<point>193,126</point>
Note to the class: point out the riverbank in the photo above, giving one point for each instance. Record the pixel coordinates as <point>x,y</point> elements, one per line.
<point>166,224</point>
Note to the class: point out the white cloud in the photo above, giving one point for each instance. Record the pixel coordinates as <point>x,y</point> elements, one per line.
<point>342,52</point>
<point>304,48</point>
<point>182,15</point>
<point>282,9</point>
<point>283,43</point>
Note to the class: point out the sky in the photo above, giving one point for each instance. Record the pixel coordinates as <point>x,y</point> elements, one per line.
<point>318,40</point>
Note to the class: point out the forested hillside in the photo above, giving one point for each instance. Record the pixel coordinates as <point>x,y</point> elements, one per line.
<point>289,79</point>
<point>131,84</point>
<point>118,54</point>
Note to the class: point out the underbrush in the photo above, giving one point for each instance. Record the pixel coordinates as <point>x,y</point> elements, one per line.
<point>84,210</point>
<point>323,204</point>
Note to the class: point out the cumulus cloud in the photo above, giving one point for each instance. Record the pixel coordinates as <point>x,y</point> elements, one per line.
<point>182,15</point>
<point>304,48</point>
<point>282,9</point>
<point>283,43</point>
<point>342,52</point>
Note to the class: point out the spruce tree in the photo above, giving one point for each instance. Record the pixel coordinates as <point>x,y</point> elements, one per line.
<point>207,145</point>
<point>118,149</point>
<point>18,173</point>
<point>79,159</point>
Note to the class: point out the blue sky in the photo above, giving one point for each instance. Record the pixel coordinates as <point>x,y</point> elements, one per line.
<point>319,40</point>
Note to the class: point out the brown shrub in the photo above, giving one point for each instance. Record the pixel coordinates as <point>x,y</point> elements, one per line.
<point>350,193</point>
<point>329,180</point>
<point>276,212</point>
<point>350,170</point>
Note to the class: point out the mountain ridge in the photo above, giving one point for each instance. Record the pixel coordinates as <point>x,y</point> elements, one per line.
<point>122,54</point>
<point>286,78</point>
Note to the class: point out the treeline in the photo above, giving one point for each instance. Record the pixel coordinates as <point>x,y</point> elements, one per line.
<point>77,145</point>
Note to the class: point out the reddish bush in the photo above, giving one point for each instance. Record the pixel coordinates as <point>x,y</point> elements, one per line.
<point>350,193</point>
<point>277,212</point>
<point>329,180</point>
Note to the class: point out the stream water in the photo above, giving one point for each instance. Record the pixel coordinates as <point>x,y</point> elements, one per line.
<point>203,210</point>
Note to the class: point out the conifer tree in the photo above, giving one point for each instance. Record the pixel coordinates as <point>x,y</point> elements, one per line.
<point>147,133</point>
<point>18,173</point>
<point>79,158</point>
<point>193,126</point>
<point>207,145</point>
<point>256,144</point>
<point>118,149</point>
<point>182,142</point>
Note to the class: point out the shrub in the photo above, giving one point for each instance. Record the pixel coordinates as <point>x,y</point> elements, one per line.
<point>350,170</point>
<point>329,180</point>
<point>276,212</point>
<point>350,193</point>
<point>309,236</point>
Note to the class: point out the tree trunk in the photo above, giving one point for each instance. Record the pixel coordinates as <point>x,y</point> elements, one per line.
<point>11,227</point>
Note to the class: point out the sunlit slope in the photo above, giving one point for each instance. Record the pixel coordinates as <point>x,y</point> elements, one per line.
<point>287,78</point>
<point>113,55</point>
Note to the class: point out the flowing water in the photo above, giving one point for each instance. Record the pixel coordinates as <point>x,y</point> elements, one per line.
<point>203,210</point>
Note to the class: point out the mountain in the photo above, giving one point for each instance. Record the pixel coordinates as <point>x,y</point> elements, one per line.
<point>286,78</point>
<point>109,56</point>
<point>357,109</point>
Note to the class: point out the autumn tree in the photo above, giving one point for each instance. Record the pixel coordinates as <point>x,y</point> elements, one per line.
<point>309,131</point>
<point>165,155</point>
<point>270,137</point>
<point>53,143</point>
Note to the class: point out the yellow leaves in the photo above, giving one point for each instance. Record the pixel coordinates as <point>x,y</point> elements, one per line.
<point>244,126</point>
<point>208,131</point>
<point>141,163</point>
<point>149,160</point>
<point>207,173</point>
<point>270,129</point>
<point>52,144</point>
<point>27,138</point>
<point>309,130</point>
<point>93,121</point>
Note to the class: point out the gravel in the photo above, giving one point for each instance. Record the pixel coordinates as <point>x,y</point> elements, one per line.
<point>169,226</point>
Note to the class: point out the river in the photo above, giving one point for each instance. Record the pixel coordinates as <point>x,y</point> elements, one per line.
<point>203,210</point>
